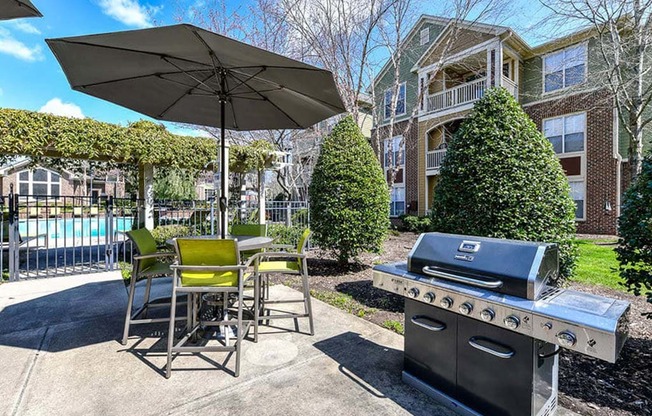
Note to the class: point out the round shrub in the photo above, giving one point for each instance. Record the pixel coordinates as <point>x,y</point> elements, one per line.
<point>634,251</point>
<point>501,178</point>
<point>349,199</point>
<point>162,233</point>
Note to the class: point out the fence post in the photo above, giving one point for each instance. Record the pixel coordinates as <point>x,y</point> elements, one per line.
<point>262,210</point>
<point>14,239</point>
<point>108,218</point>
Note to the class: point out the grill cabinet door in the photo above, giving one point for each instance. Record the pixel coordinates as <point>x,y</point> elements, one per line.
<point>430,339</point>
<point>487,383</point>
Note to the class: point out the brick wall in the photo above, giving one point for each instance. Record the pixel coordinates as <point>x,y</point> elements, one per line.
<point>601,166</point>
<point>411,158</point>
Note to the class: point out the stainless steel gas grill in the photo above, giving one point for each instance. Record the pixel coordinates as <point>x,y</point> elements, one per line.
<point>483,328</point>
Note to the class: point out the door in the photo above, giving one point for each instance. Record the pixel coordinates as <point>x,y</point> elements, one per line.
<point>430,338</point>
<point>494,369</point>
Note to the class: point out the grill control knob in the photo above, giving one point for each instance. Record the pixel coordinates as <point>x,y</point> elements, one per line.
<point>446,302</point>
<point>466,308</point>
<point>566,339</point>
<point>487,315</point>
<point>512,322</point>
<point>429,297</point>
<point>413,293</point>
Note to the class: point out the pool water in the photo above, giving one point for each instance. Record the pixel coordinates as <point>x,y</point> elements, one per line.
<point>72,227</point>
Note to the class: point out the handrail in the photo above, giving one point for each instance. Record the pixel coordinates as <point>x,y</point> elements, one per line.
<point>461,94</point>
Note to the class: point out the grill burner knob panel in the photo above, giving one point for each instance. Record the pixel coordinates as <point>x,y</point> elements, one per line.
<point>466,308</point>
<point>446,302</point>
<point>413,293</point>
<point>512,322</point>
<point>566,339</point>
<point>487,315</point>
<point>429,297</point>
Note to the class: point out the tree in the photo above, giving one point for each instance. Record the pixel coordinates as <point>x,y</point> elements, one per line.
<point>623,33</point>
<point>501,178</point>
<point>349,202</point>
<point>174,184</point>
<point>634,251</point>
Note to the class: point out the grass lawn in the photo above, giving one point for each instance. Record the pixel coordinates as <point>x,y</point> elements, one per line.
<point>596,264</point>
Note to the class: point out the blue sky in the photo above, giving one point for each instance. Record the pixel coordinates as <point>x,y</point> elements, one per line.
<point>30,77</point>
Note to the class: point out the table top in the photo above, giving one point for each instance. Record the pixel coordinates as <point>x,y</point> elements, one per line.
<point>245,242</point>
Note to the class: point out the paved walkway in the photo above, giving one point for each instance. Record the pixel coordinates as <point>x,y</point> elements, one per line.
<point>59,355</point>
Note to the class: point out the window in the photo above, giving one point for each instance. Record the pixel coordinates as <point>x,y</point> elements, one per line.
<point>39,182</point>
<point>393,145</point>
<point>424,36</point>
<point>564,68</point>
<point>397,201</point>
<point>209,193</point>
<point>577,190</point>
<point>566,133</point>
<point>400,102</point>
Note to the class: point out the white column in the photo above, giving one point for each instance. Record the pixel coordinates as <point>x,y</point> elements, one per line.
<point>499,64</point>
<point>146,193</point>
<point>489,67</point>
<point>261,197</point>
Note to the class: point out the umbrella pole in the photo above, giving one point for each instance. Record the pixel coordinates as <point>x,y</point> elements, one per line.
<point>223,161</point>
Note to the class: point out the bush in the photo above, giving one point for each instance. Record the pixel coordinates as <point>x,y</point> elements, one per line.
<point>349,199</point>
<point>416,224</point>
<point>634,251</point>
<point>283,234</point>
<point>162,233</point>
<point>501,178</point>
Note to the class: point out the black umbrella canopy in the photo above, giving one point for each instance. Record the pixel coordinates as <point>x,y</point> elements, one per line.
<point>175,73</point>
<point>15,9</point>
<point>186,74</point>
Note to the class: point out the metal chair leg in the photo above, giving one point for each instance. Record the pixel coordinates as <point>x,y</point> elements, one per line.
<point>257,295</point>
<point>238,345</point>
<point>173,308</point>
<point>130,303</point>
<point>306,300</point>
<point>148,288</point>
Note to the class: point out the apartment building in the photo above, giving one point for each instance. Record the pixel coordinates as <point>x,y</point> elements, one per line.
<point>445,69</point>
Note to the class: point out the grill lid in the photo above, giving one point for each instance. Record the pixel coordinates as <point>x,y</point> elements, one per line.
<point>517,268</point>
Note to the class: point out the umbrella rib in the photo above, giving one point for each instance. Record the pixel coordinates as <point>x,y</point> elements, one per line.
<point>160,75</point>
<point>194,78</point>
<point>209,92</point>
<point>249,78</point>
<point>269,101</point>
<point>162,113</point>
<point>33,9</point>
<point>289,89</point>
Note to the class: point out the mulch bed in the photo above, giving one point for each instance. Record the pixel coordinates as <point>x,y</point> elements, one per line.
<point>586,385</point>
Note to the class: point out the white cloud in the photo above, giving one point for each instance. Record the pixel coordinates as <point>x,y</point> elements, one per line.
<point>11,46</point>
<point>59,108</point>
<point>129,12</point>
<point>25,27</point>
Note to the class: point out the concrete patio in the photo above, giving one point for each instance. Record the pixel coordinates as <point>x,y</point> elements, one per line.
<point>60,355</point>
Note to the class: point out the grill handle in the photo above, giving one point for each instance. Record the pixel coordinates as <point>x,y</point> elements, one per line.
<point>491,284</point>
<point>437,327</point>
<point>475,343</point>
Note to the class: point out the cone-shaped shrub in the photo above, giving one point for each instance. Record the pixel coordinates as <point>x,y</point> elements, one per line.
<point>349,199</point>
<point>634,250</point>
<point>501,178</point>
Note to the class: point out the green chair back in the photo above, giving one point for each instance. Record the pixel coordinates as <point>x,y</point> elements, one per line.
<point>145,244</point>
<point>208,252</point>
<point>303,240</point>
<point>257,230</point>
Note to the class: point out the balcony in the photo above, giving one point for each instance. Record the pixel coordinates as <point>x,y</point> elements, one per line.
<point>434,159</point>
<point>465,94</point>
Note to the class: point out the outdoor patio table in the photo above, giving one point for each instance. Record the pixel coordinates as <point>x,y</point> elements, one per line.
<point>245,242</point>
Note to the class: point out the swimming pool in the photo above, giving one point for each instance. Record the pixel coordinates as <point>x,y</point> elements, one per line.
<point>72,227</point>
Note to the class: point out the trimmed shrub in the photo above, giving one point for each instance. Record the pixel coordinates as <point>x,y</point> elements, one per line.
<point>282,234</point>
<point>349,199</point>
<point>634,251</point>
<point>416,224</point>
<point>501,178</point>
<point>162,233</point>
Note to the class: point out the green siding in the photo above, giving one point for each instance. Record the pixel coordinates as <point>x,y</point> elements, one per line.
<point>532,75</point>
<point>411,54</point>
<point>623,137</point>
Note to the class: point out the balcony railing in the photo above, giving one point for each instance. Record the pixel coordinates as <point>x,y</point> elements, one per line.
<point>434,159</point>
<point>462,94</point>
<point>510,86</point>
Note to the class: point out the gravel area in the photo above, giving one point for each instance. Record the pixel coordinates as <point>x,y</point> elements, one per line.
<point>586,386</point>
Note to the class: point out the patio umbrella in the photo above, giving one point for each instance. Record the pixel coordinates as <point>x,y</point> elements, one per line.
<point>186,74</point>
<point>15,9</point>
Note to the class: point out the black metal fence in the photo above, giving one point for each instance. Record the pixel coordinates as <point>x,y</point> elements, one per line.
<point>46,236</point>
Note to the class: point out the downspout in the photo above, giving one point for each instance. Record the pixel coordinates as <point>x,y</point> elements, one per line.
<point>619,160</point>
